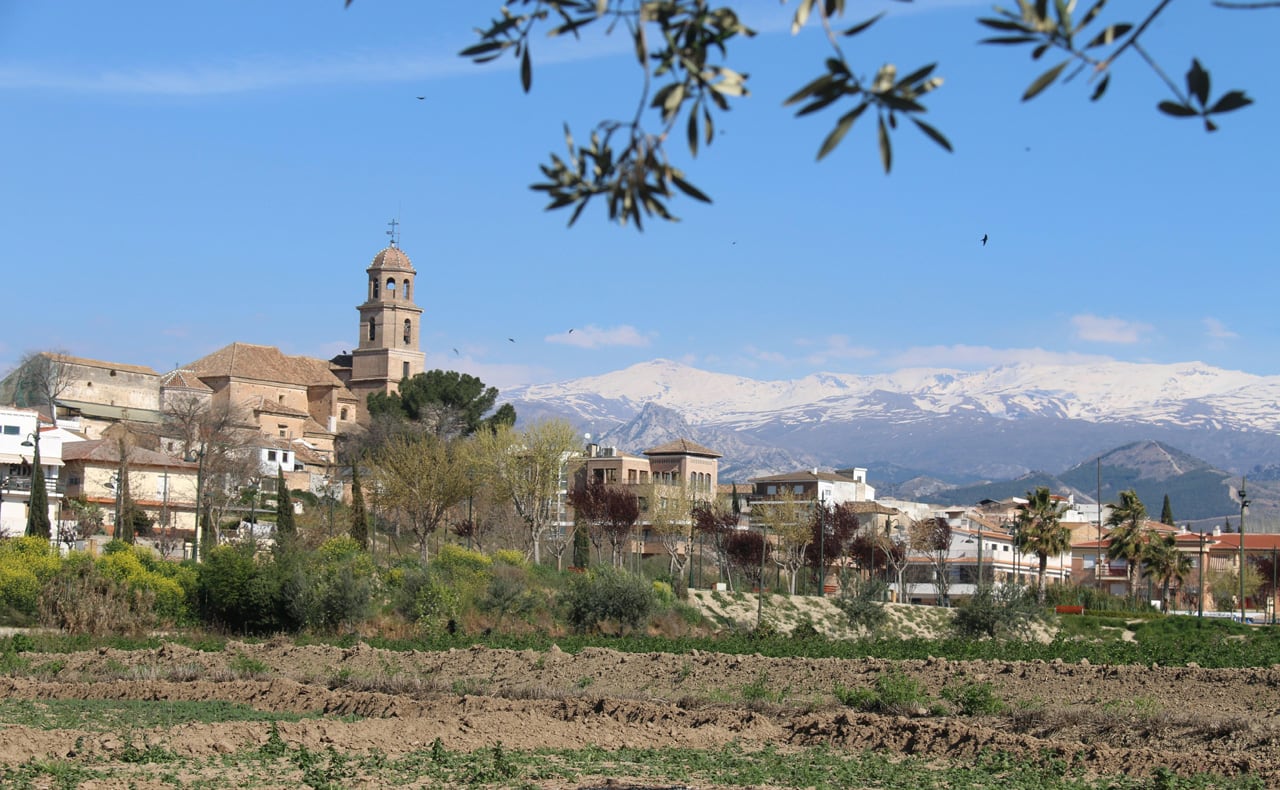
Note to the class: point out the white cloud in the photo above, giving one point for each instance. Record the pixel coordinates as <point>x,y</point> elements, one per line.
<point>1108,330</point>
<point>971,357</point>
<point>1218,330</point>
<point>591,336</point>
<point>837,347</point>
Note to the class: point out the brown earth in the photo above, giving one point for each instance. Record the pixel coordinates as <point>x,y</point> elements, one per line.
<point>1105,720</point>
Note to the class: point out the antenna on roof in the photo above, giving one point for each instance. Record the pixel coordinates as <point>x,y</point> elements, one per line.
<point>395,236</point>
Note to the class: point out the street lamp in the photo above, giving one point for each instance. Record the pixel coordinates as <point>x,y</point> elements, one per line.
<point>978,540</point>
<point>197,542</point>
<point>1244,504</point>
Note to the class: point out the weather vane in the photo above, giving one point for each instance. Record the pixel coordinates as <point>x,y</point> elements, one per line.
<point>395,236</point>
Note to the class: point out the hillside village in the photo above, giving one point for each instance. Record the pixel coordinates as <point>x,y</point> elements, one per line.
<point>102,432</point>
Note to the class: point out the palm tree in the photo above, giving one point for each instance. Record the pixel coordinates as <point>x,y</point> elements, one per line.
<point>1128,522</point>
<point>1040,531</point>
<point>1162,561</point>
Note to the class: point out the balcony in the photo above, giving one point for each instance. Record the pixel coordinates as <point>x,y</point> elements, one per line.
<point>17,483</point>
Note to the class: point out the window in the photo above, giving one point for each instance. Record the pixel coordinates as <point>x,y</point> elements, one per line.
<point>283,430</point>
<point>375,288</point>
<point>391,288</point>
<point>644,476</point>
<point>770,490</point>
<point>342,414</point>
<point>11,430</point>
<point>406,288</point>
<point>279,399</point>
<point>271,455</point>
<point>373,329</point>
<point>408,330</point>
<point>284,458</point>
<point>404,370</point>
<point>632,476</point>
<point>797,489</point>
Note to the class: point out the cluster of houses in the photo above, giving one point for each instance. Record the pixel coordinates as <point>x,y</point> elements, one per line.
<point>87,420</point>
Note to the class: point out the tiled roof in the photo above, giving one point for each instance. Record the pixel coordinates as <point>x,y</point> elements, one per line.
<point>871,509</point>
<point>105,451</point>
<point>1253,541</point>
<point>804,475</point>
<point>97,363</point>
<point>263,363</point>
<point>391,258</point>
<point>682,447</point>
<point>183,379</point>
<point>265,404</point>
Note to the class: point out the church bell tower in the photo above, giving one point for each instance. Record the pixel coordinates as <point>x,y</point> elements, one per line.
<point>390,324</point>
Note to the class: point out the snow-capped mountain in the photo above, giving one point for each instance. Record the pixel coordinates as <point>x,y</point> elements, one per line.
<point>999,422</point>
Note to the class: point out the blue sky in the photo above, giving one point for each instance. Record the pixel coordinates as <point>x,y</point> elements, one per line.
<point>180,176</point>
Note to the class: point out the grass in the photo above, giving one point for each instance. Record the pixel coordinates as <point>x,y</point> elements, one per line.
<point>122,715</point>
<point>821,767</point>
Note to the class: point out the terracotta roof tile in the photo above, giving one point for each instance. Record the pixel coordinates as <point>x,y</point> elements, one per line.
<point>682,447</point>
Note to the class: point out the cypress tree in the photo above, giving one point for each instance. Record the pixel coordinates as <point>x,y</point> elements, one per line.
<point>1166,512</point>
<point>581,547</point>
<point>38,512</point>
<point>359,518</point>
<point>285,527</point>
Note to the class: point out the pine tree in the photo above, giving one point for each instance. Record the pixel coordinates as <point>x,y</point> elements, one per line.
<point>38,512</point>
<point>1166,512</point>
<point>359,518</point>
<point>285,527</point>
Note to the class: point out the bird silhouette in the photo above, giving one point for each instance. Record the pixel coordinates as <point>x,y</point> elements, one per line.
<point>512,339</point>
<point>455,353</point>
<point>984,240</point>
<point>571,331</point>
<point>420,98</point>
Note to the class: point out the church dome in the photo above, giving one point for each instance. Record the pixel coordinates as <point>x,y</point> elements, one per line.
<point>392,258</point>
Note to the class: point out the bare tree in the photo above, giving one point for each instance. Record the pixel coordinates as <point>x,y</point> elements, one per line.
<point>526,467</point>
<point>422,479</point>
<point>716,523</point>
<point>931,537</point>
<point>790,521</point>
<point>42,378</point>
<point>670,518</point>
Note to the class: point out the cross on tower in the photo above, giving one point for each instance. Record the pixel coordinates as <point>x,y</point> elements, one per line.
<point>395,237</point>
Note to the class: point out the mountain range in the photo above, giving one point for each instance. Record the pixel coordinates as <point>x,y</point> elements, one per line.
<point>956,428</point>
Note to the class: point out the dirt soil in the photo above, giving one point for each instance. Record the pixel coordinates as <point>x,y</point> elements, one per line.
<point>1106,720</point>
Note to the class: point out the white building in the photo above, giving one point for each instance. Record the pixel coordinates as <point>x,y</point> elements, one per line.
<point>19,436</point>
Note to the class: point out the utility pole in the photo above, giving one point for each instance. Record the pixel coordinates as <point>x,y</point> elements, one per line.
<point>1244,504</point>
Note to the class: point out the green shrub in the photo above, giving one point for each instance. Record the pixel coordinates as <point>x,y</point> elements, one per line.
<point>138,569</point>
<point>892,693</point>
<point>607,595</point>
<point>241,592</point>
<point>973,699</point>
<point>81,598</point>
<point>862,601</point>
<point>510,557</point>
<point>996,612</point>
<point>426,599</point>
<point>26,563</point>
<point>663,593</point>
<point>330,588</point>
<point>508,593</point>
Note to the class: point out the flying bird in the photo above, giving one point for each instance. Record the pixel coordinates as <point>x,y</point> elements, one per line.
<point>512,339</point>
<point>455,353</point>
<point>984,240</point>
<point>571,331</point>
<point>420,98</point>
